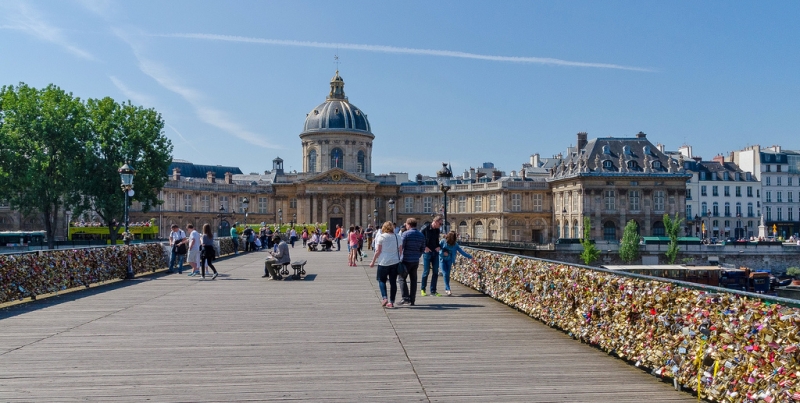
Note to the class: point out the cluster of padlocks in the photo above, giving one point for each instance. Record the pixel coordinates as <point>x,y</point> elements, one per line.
<point>32,274</point>
<point>725,346</point>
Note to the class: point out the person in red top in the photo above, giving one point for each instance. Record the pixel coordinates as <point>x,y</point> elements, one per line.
<point>338,237</point>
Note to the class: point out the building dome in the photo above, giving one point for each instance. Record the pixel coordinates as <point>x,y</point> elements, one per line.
<point>337,113</point>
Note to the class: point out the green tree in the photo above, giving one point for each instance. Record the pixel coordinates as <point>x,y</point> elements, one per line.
<point>122,133</point>
<point>673,228</point>
<point>590,252</point>
<point>629,247</point>
<point>42,132</point>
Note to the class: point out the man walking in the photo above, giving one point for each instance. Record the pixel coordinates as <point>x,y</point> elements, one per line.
<point>413,247</point>
<point>369,233</point>
<point>235,239</point>
<point>177,240</point>
<point>339,238</point>
<point>194,250</point>
<point>430,257</point>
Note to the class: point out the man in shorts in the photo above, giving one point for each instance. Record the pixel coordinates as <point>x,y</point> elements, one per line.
<point>194,250</point>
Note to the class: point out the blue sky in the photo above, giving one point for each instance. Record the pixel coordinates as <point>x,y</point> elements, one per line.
<point>459,81</point>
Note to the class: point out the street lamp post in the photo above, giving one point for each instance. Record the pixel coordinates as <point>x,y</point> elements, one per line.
<point>280,219</point>
<point>444,176</point>
<point>390,203</point>
<point>245,204</point>
<point>223,215</point>
<point>126,174</point>
<point>375,217</point>
<point>696,224</point>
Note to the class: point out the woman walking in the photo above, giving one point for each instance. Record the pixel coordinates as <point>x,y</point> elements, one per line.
<point>352,245</point>
<point>208,253</point>
<point>447,256</point>
<point>387,253</point>
<point>304,236</point>
<point>359,253</point>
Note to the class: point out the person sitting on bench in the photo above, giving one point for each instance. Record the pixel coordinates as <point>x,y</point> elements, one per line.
<point>280,252</point>
<point>313,242</point>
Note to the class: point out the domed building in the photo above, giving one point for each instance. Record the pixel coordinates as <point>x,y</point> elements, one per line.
<point>337,134</point>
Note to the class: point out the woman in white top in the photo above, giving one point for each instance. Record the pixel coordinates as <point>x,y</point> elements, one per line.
<point>387,254</point>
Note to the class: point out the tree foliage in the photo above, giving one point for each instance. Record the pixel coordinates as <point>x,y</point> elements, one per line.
<point>590,252</point>
<point>122,133</point>
<point>673,228</point>
<point>42,132</point>
<point>629,247</point>
<point>59,153</point>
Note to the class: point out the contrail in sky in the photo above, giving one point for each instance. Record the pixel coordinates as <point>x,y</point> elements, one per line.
<point>413,51</point>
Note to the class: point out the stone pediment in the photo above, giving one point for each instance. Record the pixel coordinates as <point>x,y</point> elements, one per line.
<point>336,176</point>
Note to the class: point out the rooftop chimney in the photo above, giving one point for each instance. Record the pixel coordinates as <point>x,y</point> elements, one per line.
<point>535,160</point>
<point>176,174</point>
<point>582,140</point>
<point>228,178</point>
<point>719,158</point>
<point>211,177</point>
<point>496,175</point>
<point>640,135</point>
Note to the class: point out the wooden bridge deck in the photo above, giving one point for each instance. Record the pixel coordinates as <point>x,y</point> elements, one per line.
<point>172,338</point>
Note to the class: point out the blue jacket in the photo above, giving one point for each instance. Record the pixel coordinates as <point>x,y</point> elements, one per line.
<point>448,252</point>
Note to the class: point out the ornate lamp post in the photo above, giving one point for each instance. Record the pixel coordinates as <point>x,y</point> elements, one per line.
<point>280,219</point>
<point>696,225</point>
<point>223,215</point>
<point>126,174</point>
<point>444,176</point>
<point>390,203</point>
<point>245,204</point>
<point>375,217</point>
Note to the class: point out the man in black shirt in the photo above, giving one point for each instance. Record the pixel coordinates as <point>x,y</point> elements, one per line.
<point>430,259</point>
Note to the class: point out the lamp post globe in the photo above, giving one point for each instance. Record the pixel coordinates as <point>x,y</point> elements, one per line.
<point>245,205</point>
<point>126,174</point>
<point>390,203</point>
<point>443,177</point>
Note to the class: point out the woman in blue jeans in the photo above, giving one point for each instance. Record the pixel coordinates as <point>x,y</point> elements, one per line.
<point>447,256</point>
<point>387,253</point>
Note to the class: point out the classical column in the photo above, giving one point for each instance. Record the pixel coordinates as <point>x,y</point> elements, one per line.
<point>325,210</point>
<point>347,219</point>
<point>357,220</point>
<point>313,210</point>
<point>300,205</point>
<point>365,211</point>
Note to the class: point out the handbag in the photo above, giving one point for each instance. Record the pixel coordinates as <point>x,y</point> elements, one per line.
<point>180,249</point>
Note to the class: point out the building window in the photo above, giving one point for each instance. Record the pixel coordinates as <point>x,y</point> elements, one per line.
<point>462,229</point>
<point>293,203</point>
<point>658,229</point>
<point>789,214</point>
<point>715,191</point>
<point>769,196</point>
<point>610,200</point>
<point>608,165</point>
<point>738,191</point>
<point>409,204</point>
<point>360,159</point>
<point>337,158</point>
<point>478,204</point>
<point>778,179</point>
<point>703,190</point>
<point>703,208</point>
<point>633,198</point>
<point>205,203</point>
<point>187,202</point>
<point>479,230</point>
<point>688,194</point>
<point>609,231</point>
<point>427,204</point>
<point>171,206</point>
<point>750,209</point>
<point>516,235</point>
<point>769,213</point>
<point>727,209</point>
<point>789,197</point>
<point>778,169</point>
<point>537,202</point>
<point>769,180</point>
<point>780,197</point>
<point>516,202</point>
<point>575,203</point>
<point>738,209</point>
<point>769,168</point>
<point>658,200</point>
<point>749,191</point>
<point>223,202</point>
<point>688,211</point>
<point>262,205</point>
<point>462,204</point>
<point>789,182</point>
<point>715,209</point>
<point>312,161</point>
<point>780,215</point>
<point>493,203</point>
<point>727,190</point>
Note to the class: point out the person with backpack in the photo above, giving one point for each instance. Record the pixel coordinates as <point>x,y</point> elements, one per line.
<point>304,235</point>
<point>177,240</point>
<point>207,251</point>
<point>447,256</point>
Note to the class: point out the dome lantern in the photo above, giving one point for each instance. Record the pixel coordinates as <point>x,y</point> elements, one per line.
<point>337,87</point>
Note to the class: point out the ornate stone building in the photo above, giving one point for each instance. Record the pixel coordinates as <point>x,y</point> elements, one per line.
<point>614,180</point>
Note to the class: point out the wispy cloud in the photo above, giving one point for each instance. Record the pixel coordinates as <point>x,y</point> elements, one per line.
<point>185,140</point>
<point>20,16</point>
<point>133,95</point>
<point>413,51</point>
<point>206,113</point>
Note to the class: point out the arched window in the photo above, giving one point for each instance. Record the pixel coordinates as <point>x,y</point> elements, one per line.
<point>312,161</point>
<point>479,230</point>
<point>462,228</point>
<point>715,209</point>
<point>360,167</point>
<point>337,158</point>
<point>703,208</point>
<point>609,231</point>
<point>658,229</point>
<point>558,229</point>
<point>607,164</point>
<point>576,232</point>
